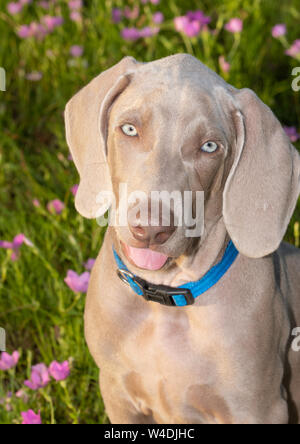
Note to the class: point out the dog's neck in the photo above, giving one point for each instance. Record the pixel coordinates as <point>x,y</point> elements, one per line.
<point>186,268</point>
<point>209,252</point>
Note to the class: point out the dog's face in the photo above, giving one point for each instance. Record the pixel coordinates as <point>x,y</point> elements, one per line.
<point>167,138</point>
<point>175,126</point>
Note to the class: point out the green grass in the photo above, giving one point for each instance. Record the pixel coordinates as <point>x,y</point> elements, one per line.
<point>42,316</point>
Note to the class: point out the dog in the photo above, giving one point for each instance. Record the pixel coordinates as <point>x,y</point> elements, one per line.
<point>223,356</point>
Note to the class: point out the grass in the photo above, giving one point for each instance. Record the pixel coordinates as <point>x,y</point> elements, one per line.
<point>43,318</point>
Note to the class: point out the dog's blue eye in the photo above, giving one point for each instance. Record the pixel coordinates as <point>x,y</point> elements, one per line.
<point>209,147</point>
<point>129,130</point>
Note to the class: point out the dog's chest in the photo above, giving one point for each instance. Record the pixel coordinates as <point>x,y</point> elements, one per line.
<point>167,370</point>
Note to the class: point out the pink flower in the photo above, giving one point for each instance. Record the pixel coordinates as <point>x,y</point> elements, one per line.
<point>134,33</point>
<point>36,203</point>
<point>294,50</point>
<point>148,32</point>
<point>75,16</point>
<point>58,371</point>
<point>20,239</point>
<point>89,264</point>
<point>74,189</point>
<point>39,377</point>
<point>9,361</point>
<point>33,30</point>
<point>191,28</point>
<point>37,30</point>
<point>77,283</point>
<point>131,34</point>
<point>75,4</point>
<point>279,30</point>
<point>180,23</point>
<point>198,16</point>
<point>131,13</point>
<point>56,206</point>
<point>234,25</point>
<point>192,23</point>
<point>116,15</point>
<point>34,76</point>
<point>291,131</point>
<point>52,22</point>
<point>24,32</point>
<point>14,8</point>
<point>224,65</point>
<point>76,51</point>
<point>30,417</point>
<point>158,18</point>
<point>15,245</point>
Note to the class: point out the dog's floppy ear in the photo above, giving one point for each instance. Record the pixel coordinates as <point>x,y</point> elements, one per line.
<point>263,186</point>
<point>86,133</point>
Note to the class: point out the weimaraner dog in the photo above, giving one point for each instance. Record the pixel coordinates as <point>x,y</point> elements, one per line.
<point>224,355</point>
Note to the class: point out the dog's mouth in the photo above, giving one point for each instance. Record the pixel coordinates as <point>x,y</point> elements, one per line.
<point>144,257</point>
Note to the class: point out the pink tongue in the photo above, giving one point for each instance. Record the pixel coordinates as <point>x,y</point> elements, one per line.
<point>145,258</point>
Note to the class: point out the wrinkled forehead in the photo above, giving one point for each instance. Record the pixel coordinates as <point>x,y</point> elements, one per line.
<point>174,96</point>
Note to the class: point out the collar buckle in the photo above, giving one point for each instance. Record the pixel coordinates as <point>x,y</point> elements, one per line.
<point>163,294</point>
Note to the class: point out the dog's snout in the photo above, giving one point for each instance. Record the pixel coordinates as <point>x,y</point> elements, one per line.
<point>151,235</point>
<point>151,225</point>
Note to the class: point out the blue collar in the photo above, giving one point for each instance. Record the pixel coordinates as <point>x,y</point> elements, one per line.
<point>184,294</point>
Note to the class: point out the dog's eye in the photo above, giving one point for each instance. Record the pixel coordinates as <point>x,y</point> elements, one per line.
<point>129,130</point>
<point>209,147</point>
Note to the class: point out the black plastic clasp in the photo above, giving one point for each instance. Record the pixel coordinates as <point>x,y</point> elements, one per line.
<point>162,294</point>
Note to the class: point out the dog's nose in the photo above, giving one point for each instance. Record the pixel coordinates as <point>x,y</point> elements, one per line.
<point>157,229</point>
<point>152,235</point>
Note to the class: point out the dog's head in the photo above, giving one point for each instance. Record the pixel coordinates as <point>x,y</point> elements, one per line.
<point>175,126</point>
